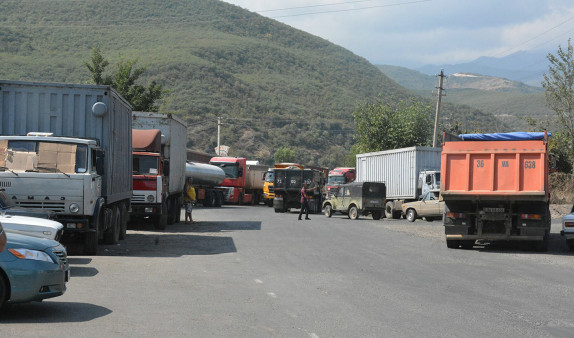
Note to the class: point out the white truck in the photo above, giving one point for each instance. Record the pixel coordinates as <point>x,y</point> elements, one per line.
<point>67,148</point>
<point>159,153</point>
<point>408,173</point>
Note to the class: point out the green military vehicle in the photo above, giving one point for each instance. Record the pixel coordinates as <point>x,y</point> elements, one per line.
<point>357,198</point>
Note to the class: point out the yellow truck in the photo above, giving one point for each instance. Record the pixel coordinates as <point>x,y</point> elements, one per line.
<point>268,193</point>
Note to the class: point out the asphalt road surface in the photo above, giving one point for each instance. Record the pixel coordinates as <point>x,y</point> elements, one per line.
<point>245,271</point>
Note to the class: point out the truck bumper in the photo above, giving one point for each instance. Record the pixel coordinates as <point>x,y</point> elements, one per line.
<point>75,225</point>
<point>142,210</point>
<point>461,232</point>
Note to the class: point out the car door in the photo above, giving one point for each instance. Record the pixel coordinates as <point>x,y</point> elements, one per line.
<point>426,205</point>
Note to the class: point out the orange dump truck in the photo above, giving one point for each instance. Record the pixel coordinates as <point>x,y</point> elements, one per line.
<point>495,188</point>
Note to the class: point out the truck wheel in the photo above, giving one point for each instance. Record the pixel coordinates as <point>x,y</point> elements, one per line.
<point>570,243</point>
<point>218,199</point>
<point>389,210</point>
<point>541,246</point>
<point>328,210</point>
<point>376,215</point>
<point>452,244</point>
<point>411,215</point>
<point>467,244</point>
<point>170,211</point>
<point>353,212</point>
<point>269,203</point>
<point>177,211</point>
<point>208,201</point>
<point>123,221</point>
<point>112,235</point>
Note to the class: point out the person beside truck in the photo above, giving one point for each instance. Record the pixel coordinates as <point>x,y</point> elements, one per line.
<point>189,199</point>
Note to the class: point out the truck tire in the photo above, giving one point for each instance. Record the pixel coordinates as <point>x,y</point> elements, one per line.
<point>170,211</point>
<point>452,243</point>
<point>123,221</point>
<point>177,211</point>
<point>353,212</point>
<point>218,199</point>
<point>376,215</point>
<point>411,215</point>
<point>389,209</point>
<point>328,210</point>
<point>269,203</point>
<point>570,243</point>
<point>112,235</point>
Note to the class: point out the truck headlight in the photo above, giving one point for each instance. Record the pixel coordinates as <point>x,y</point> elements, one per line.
<point>150,198</point>
<point>74,208</point>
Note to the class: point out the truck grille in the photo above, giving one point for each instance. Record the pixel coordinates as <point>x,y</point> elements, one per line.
<point>54,206</point>
<point>138,198</point>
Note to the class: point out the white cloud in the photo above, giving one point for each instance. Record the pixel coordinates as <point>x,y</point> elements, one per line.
<point>427,32</point>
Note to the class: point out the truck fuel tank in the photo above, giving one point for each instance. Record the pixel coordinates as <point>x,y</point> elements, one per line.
<point>204,174</point>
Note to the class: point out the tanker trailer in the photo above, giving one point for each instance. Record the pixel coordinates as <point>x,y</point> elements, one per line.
<point>206,179</point>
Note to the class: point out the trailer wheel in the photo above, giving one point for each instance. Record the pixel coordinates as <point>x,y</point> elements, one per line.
<point>123,221</point>
<point>389,209</point>
<point>376,215</point>
<point>452,244</point>
<point>411,215</point>
<point>353,212</point>
<point>112,235</point>
<point>328,210</point>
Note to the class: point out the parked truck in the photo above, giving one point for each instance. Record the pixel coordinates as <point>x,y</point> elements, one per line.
<point>339,176</point>
<point>206,179</point>
<point>243,182</point>
<point>159,152</point>
<point>287,186</point>
<point>408,173</point>
<point>67,148</point>
<point>268,193</point>
<point>495,187</point>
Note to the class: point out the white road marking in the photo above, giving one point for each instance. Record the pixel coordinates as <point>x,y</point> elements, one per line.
<point>271,294</point>
<point>258,281</point>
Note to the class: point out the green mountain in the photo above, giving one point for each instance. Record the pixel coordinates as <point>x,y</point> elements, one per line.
<point>272,85</point>
<point>511,101</point>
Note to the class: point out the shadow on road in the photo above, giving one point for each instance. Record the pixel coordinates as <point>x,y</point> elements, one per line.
<point>51,312</point>
<point>556,246</point>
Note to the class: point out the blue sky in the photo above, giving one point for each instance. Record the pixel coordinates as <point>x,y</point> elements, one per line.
<point>412,33</point>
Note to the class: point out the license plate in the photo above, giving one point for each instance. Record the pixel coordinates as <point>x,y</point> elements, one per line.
<point>493,209</point>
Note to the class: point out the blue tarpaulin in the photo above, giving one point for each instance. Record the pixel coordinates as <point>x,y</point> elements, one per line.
<point>515,136</point>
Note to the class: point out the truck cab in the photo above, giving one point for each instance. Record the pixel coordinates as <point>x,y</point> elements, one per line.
<point>339,176</point>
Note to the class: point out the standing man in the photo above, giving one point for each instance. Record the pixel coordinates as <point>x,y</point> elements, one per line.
<point>304,202</point>
<point>189,198</point>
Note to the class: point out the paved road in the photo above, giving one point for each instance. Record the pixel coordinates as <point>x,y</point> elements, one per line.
<point>246,271</point>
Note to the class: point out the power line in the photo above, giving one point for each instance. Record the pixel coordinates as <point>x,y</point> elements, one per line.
<point>312,6</point>
<point>350,9</point>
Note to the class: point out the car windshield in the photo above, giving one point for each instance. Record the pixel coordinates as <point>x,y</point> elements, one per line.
<point>145,165</point>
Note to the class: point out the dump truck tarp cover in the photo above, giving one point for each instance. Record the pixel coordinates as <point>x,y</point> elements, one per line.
<point>514,136</point>
<point>146,140</point>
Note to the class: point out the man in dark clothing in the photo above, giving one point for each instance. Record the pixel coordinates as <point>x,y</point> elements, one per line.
<point>304,202</point>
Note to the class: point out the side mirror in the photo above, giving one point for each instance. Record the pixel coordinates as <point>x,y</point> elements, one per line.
<point>100,163</point>
<point>166,167</point>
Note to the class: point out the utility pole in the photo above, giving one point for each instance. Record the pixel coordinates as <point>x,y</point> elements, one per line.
<point>218,135</point>
<point>439,95</point>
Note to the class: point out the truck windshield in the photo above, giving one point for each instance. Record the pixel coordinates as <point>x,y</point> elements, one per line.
<point>145,165</point>
<point>231,169</point>
<point>340,179</point>
<point>269,177</point>
<point>42,156</point>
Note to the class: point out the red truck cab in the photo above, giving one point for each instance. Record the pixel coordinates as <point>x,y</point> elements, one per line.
<point>339,176</point>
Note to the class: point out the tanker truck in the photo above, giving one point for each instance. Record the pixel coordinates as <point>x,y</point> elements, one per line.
<point>206,179</point>
<point>243,181</point>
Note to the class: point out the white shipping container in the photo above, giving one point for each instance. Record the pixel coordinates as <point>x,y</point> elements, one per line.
<point>398,168</point>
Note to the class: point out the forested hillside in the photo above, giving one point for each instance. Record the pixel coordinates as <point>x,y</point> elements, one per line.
<point>273,86</point>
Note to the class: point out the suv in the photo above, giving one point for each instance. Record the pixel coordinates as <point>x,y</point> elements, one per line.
<point>357,198</point>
